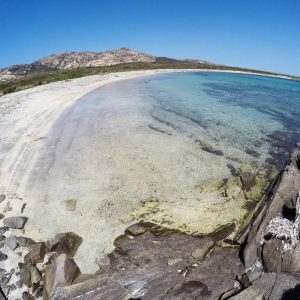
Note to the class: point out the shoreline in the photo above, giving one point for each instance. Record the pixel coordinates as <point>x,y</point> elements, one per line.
<point>24,139</point>
<point>146,71</point>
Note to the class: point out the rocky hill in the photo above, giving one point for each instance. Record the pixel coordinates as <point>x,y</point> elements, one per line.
<point>70,60</point>
<point>73,60</point>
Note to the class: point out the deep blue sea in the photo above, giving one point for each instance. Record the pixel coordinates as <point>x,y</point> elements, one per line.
<point>251,118</point>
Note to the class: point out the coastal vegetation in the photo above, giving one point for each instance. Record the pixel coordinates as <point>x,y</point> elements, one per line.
<point>160,63</point>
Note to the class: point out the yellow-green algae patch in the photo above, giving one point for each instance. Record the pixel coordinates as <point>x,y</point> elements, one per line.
<point>221,202</point>
<point>200,218</point>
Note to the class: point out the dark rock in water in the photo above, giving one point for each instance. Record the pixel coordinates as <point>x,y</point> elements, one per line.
<point>2,197</point>
<point>11,242</point>
<point>61,272</point>
<point>208,148</point>
<point>67,243</point>
<point>15,222</point>
<point>252,152</point>
<point>234,172</point>
<point>36,253</point>
<point>3,256</point>
<point>2,237</point>
<point>248,180</point>
<point>1,216</point>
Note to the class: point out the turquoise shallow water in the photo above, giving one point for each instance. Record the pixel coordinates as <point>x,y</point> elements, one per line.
<point>248,118</point>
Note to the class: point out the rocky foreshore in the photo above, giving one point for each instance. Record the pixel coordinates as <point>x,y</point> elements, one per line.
<point>153,262</point>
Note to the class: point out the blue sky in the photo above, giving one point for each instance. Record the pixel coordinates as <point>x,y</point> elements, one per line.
<point>260,34</point>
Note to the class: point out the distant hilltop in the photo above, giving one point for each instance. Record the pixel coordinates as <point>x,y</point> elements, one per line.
<point>74,60</point>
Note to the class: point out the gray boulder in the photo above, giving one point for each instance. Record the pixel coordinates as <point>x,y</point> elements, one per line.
<point>15,222</point>
<point>11,242</point>
<point>61,272</point>
<point>67,243</point>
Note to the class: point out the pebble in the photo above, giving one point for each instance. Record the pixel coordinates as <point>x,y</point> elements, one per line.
<point>70,204</point>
